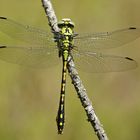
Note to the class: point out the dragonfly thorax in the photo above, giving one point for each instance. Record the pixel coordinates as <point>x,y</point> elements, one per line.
<point>65,40</point>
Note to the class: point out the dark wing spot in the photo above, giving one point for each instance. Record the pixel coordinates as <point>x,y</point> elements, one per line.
<point>2,47</point>
<point>3,18</point>
<point>132,28</point>
<point>129,58</point>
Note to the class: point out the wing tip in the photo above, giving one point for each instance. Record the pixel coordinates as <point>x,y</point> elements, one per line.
<point>132,28</point>
<point>3,18</point>
<point>2,47</point>
<point>128,58</point>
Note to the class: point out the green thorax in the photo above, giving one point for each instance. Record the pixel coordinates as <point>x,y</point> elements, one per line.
<point>65,41</point>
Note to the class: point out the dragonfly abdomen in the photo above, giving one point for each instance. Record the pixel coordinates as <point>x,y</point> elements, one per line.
<point>61,111</point>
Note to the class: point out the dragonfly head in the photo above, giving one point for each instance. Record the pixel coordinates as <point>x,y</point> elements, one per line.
<point>66,26</point>
<point>65,22</point>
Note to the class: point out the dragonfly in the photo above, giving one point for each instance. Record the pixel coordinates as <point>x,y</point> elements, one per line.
<point>43,50</point>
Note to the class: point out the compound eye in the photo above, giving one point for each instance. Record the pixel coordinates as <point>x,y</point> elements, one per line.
<point>70,25</point>
<point>61,25</point>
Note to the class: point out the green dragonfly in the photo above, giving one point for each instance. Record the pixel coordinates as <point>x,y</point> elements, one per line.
<point>43,49</point>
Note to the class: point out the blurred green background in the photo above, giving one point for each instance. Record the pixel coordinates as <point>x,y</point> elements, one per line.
<point>29,98</point>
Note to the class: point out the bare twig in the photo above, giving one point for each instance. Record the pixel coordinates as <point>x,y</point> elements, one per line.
<point>86,103</point>
<point>50,15</point>
<point>81,91</point>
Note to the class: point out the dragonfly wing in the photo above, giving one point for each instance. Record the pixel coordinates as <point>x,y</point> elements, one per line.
<point>29,56</point>
<point>90,42</point>
<point>97,62</point>
<point>25,33</point>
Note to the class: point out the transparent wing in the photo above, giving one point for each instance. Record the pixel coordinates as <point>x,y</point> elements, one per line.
<point>90,42</point>
<point>29,56</point>
<point>26,33</point>
<point>97,62</point>
<point>43,52</point>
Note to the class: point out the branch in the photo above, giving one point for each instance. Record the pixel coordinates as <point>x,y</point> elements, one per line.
<point>81,91</point>
<point>50,15</point>
<point>86,103</point>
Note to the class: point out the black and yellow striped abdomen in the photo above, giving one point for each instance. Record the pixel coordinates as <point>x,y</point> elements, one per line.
<point>61,111</point>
